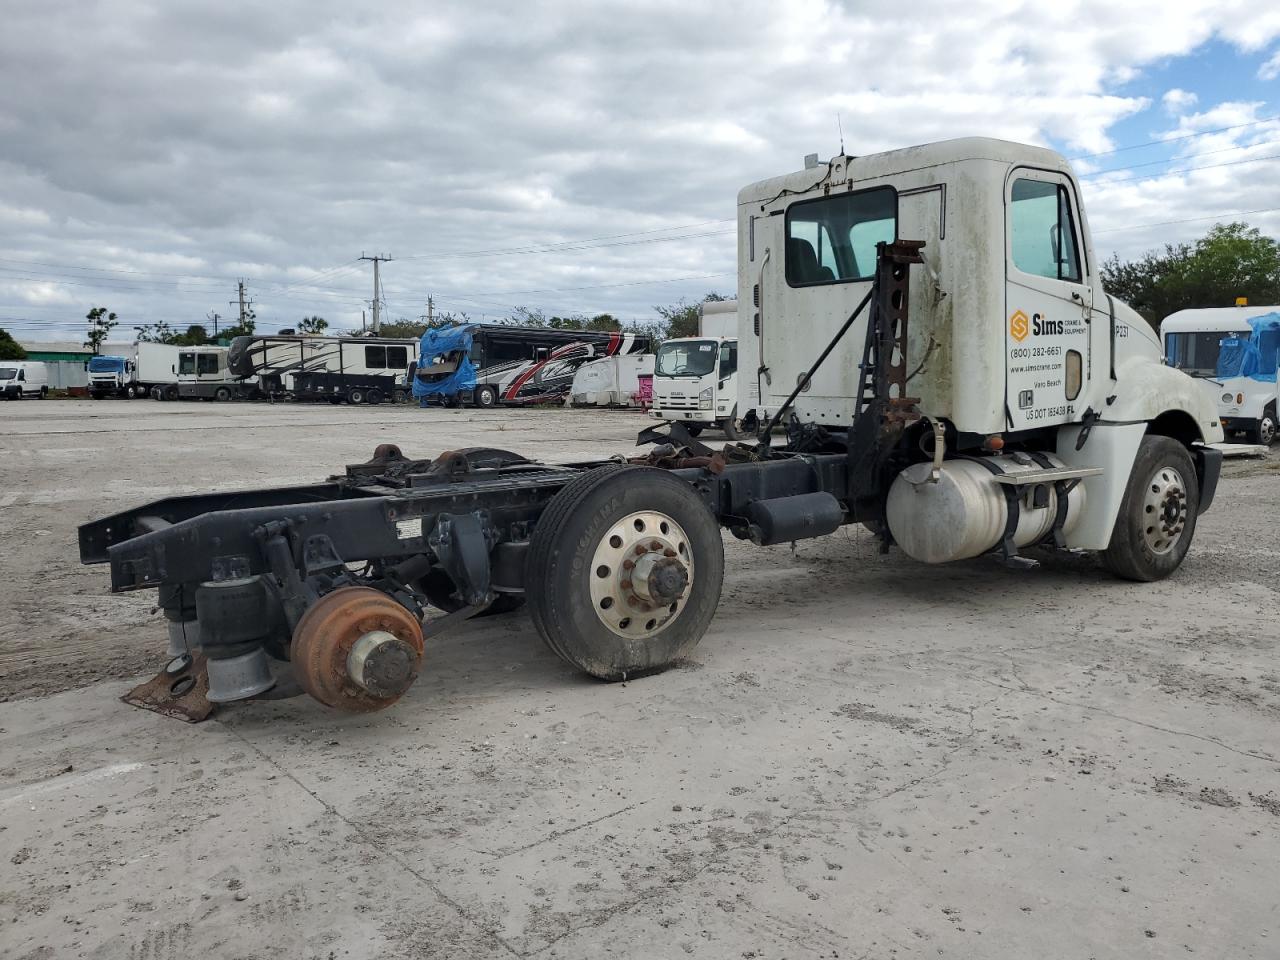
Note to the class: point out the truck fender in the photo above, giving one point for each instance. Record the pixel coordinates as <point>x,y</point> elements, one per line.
<point>1152,393</point>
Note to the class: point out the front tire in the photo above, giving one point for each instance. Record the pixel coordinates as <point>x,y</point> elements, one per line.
<point>1265,432</point>
<point>624,571</point>
<point>1157,518</point>
<point>485,397</point>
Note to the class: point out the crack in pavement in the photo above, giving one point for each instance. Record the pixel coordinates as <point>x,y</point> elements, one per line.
<point>371,842</point>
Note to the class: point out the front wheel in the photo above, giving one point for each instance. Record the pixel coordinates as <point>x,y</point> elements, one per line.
<point>1265,432</point>
<point>729,427</point>
<point>485,397</point>
<point>1158,513</point>
<point>624,571</point>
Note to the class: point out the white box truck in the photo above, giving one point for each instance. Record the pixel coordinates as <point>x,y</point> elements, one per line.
<point>695,379</point>
<point>1232,351</point>
<point>24,379</point>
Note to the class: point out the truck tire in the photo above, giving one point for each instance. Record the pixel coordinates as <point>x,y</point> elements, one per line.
<point>131,392</point>
<point>374,397</point>
<point>355,396</point>
<point>485,397</point>
<point>222,394</point>
<point>693,428</point>
<point>1265,431</point>
<point>586,554</point>
<point>1157,519</point>
<point>399,396</point>
<point>729,427</point>
<point>171,392</point>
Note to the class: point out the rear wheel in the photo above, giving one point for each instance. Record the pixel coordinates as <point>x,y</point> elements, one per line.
<point>222,394</point>
<point>485,396</point>
<point>1157,519</point>
<point>171,392</point>
<point>624,571</point>
<point>355,396</point>
<point>374,397</point>
<point>399,396</point>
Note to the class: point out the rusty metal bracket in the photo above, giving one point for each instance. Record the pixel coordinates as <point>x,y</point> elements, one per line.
<point>180,690</point>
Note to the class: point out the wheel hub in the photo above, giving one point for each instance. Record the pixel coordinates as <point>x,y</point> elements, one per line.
<point>641,574</point>
<point>382,664</point>
<point>1164,510</point>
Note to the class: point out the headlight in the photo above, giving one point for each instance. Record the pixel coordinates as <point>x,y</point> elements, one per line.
<point>704,399</point>
<point>1239,398</point>
<point>1226,398</point>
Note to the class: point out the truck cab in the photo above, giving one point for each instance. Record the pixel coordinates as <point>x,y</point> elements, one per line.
<point>110,376</point>
<point>23,379</point>
<point>1232,352</point>
<point>695,379</point>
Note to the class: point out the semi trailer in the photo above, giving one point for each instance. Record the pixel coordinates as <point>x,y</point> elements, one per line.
<point>933,356</point>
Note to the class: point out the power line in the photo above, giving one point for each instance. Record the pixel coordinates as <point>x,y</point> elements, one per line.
<point>1155,163</point>
<point>1206,166</point>
<point>1185,136</point>
<point>1167,223</point>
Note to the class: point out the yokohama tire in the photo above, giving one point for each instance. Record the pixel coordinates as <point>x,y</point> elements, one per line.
<point>1163,493</point>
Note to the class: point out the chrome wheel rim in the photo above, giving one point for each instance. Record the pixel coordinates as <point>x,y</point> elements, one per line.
<point>1164,510</point>
<point>1267,431</point>
<point>641,574</point>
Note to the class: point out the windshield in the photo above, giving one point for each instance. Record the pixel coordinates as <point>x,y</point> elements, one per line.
<point>8,373</point>
<point>1197,352</point>
<point>106,364</point>
<point>686,358</point>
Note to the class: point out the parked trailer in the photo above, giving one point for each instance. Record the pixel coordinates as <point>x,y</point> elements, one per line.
<point>611,381</point>
<point>278,360</point>
<point>1232,352</point>
<point>954,377</point>
<point>486,364</point>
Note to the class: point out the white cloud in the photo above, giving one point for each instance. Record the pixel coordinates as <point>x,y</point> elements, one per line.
<point>1178,100</point>
<point>281,152</point>
<point>1271,69</point>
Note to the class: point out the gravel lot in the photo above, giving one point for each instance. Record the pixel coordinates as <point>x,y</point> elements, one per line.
<point>866,757</point>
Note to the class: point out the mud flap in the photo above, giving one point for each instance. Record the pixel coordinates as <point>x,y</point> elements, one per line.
<point>180,690</point>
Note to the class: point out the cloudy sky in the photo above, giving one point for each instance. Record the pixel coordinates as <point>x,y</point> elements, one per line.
<point>577,157</point>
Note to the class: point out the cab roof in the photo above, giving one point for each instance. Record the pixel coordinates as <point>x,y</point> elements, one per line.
<point>1213,318</point>
<point>845,168</point>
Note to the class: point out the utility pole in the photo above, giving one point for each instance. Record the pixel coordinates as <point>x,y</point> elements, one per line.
<point>377,258</point>
<point>243,302</point>
<point>431,309</point>
<point>215,318</point>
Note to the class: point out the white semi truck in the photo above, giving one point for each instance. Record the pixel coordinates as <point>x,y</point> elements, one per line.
<point>695,379</point>
<point>1232,352</point>
<point>928,328</point>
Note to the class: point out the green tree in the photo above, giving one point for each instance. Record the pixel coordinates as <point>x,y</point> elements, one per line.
<point>101,323</point>
<point>528,317</point>
<point>10,349</point>
<point>313,326</point>
<point>1231,260</point>
<point>603,322</point>
<point>196,335</point>
<point>238,330</point>
<point>680,319</point>
<point>159,332</point>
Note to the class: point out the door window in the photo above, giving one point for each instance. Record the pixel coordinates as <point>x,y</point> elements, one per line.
<point>1042,235</point>
<point>186,364</point>
<point>728,360</point>
<point>207,362</point>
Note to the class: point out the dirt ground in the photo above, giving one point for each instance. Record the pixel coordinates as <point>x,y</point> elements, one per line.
<point>865,758</point>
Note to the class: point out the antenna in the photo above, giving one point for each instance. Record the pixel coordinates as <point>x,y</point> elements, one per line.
<point>840,128</point>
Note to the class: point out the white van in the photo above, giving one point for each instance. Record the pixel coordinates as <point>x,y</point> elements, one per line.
<point>20,379</point>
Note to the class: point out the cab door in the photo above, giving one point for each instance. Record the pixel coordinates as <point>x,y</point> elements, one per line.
<point>1050,366</point>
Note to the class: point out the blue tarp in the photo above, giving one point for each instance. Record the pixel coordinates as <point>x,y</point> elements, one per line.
<point>438,345</point>
<point>1255,357</point>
